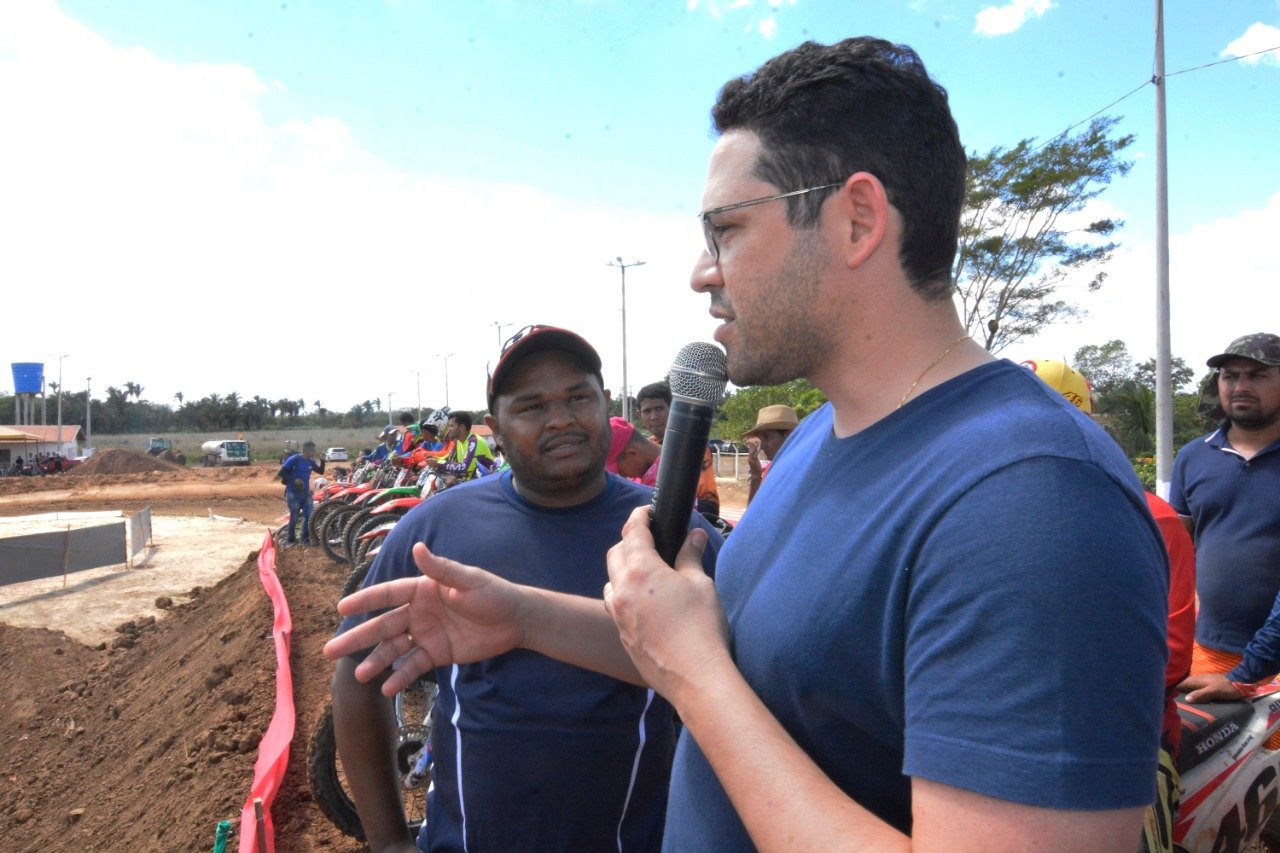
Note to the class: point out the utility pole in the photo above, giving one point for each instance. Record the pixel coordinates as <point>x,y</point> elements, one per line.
<point>626,395</point>
<point>1164,350</point>
<point>445,356</point>
<point>389,396</point>
<point>500,327</point>
<point>88,411</point>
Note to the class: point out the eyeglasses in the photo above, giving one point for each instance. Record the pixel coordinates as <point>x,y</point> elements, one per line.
<point>709,230</point>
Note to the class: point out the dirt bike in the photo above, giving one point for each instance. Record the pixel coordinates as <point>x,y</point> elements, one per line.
<point>412,758</point>
<point>1230,780</point>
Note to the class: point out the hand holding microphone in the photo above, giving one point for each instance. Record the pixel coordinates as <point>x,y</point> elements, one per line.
<point>697,382</point>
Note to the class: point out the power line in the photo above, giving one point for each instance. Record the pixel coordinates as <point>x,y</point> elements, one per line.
<point>1221,61</point>
<point>1131,93</point>
<point>1146,83</point>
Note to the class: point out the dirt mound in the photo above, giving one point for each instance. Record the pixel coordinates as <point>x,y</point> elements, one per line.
<point>150,741</point>
<point>120,461</point>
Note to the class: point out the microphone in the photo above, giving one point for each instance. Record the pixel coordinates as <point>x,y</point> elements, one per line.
<point>697,382</point>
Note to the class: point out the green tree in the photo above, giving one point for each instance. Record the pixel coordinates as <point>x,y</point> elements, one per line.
<point>1180,374</point>
<point>1106,366</point>
<point>739,409</point>
<point>1015,252</point>
<point>1132,408</point>
<point>1124,397</point>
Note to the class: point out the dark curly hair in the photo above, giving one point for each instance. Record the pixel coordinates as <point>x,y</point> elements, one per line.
<point>825,112</point>
<point>655,391</point>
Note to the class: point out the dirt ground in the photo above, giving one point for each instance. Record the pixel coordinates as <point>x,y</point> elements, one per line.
<point>147,740</point>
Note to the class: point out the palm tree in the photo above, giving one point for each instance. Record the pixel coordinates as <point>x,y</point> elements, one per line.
<point>177,395</point>
<point>1132,408</point>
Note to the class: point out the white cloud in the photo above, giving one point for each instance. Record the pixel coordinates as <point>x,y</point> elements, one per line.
<point>1002,20</point>
<point>765,24</point>
<point>189,244</point>
<point>1258,37</point>
<point>1221,286</point>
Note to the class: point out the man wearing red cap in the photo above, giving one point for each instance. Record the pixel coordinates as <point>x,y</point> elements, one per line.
<point>530,752</point>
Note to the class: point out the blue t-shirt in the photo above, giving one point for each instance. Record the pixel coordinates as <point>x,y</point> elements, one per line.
<point>531,753</point>
<point>1235,505</point>
<point>299,467</point>
<point>970,590</point>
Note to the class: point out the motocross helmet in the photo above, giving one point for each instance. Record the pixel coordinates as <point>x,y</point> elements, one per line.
<point>437,419</point>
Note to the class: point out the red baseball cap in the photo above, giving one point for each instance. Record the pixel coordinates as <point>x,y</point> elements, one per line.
<point>535,339</point>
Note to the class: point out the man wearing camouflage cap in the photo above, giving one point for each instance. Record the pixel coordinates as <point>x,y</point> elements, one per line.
<point>1225,486</point>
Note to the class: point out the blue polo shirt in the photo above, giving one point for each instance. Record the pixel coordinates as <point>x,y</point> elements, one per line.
<point>1235,504</point>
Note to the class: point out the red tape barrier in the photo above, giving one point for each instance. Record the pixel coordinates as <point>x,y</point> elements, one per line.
<point>273,751</point>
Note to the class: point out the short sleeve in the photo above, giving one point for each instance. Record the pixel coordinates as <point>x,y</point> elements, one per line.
<point>1035,641</point>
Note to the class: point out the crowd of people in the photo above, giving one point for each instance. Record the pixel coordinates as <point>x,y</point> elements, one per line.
<point>442,443</point>
<point>947,619</point>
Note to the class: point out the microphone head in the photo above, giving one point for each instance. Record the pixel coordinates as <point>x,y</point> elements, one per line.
<point>699,373</point>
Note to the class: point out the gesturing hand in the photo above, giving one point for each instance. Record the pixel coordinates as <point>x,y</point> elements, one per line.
<point>455,613</point>
<point>670,622</point>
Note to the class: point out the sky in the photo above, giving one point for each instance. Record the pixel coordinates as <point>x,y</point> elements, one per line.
<point>322,201</point>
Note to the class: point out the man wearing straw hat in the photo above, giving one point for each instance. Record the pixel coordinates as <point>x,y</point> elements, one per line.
<point>773,425</point>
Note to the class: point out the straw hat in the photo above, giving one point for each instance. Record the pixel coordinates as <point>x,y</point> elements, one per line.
<point>781,417</point>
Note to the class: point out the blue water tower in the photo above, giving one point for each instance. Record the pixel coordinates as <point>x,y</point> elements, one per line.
<point>28,377</point>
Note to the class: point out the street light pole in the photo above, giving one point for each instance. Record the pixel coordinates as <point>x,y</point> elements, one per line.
<point>418,374</point>
<point>445,356</point>
<point>389,396</point>
<point>500,327</point>
<point>622,267</point>
<point>58,449</point>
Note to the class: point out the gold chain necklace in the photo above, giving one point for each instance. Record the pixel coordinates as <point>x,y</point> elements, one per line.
<point>931,366</point>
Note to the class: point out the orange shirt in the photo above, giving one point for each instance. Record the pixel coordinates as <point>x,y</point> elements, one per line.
<point>1182,601</point>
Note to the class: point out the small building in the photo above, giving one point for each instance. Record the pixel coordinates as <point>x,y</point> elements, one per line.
<point>27,441</point>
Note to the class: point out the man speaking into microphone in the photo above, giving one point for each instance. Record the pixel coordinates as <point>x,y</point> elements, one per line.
<point>951,575</point>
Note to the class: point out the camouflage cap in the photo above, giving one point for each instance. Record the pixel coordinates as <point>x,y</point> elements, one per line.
<point>1260,346</point>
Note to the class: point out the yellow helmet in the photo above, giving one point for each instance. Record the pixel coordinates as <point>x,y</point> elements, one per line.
<point>1066,380</point>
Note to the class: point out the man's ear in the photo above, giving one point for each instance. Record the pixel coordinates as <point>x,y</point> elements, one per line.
<point>492,423</point>
<point>864,212</point>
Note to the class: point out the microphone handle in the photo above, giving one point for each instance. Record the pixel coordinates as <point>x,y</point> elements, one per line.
<point>684,446</point>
